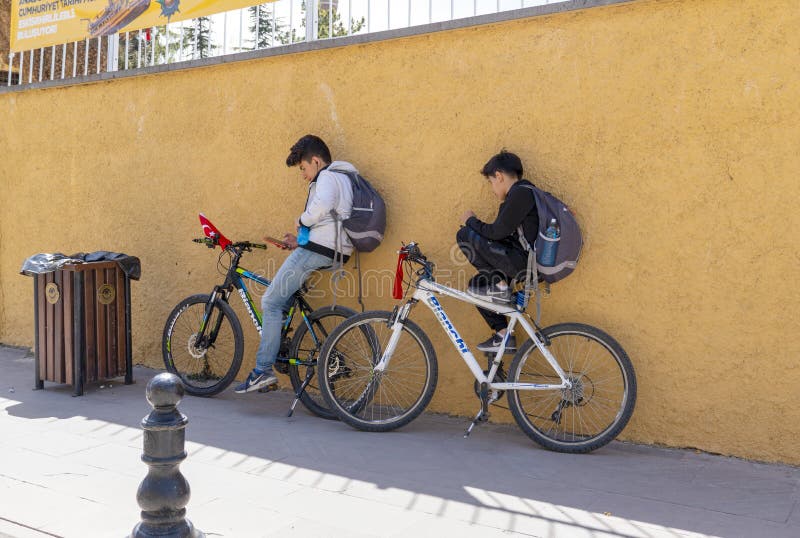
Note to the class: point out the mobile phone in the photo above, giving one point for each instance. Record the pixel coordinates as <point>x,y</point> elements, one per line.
<point>277,242</point>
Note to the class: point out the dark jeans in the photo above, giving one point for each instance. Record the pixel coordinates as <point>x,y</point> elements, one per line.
<point>494,260</point>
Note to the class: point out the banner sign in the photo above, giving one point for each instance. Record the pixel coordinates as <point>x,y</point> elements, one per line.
<point>42,23</point>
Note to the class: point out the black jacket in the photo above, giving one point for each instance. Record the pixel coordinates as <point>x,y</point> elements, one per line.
<point>519,207</point>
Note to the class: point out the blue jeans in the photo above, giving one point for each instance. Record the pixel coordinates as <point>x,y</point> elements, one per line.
<point>278,299</point>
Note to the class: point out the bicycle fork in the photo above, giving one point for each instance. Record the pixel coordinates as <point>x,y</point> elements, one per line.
<point>200,336</point>
<point>395,322</point>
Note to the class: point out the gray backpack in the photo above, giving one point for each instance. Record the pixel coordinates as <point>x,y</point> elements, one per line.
<point>570,243</point>
<point>367,222</point>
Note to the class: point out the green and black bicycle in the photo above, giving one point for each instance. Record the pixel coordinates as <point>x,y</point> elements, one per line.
<point>203,342</point>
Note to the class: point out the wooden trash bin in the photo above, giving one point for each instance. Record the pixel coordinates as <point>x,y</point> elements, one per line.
<point>83,324</point>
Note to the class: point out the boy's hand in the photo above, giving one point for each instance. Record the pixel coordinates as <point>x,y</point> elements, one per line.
<point>467,214</point>
<point>290,240</point>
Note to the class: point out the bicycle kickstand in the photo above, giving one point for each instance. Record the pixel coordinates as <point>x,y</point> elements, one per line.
<point>483,414</point>
<point>301,390</point>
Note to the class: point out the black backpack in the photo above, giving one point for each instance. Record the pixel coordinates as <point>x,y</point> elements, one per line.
<point>569,245</point>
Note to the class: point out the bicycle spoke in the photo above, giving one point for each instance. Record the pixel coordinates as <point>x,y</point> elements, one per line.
<point>587,410</point>
<point>201,363</point>
<point>310,336</point>
<point>385,397</point>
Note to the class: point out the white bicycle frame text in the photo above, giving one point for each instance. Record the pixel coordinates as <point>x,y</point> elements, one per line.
<point>426,293</point>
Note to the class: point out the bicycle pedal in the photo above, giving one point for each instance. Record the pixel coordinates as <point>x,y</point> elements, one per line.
<point>269,388</point>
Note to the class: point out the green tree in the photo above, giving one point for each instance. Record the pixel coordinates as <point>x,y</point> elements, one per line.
<point>339,27</point>
<point>193,42</point>
<point>261,25</point>
<point>167,43</point>
<point>324,11</point>
<point>197,38</point>
<point>138,50</point>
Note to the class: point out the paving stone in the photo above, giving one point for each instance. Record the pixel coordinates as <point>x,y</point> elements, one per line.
<point>121,459</point>
<point>306,528</point>
<point>690,519</point>
<point>54,443</point>
<point>435,527</point>
<point>92,520</point>
<point>22,502</point>
<point>337,510</point>
<point>229,517</point>
<point>9,529</point>
<point>253,472</point>
<point>794,517</point>
<point>209,482</point>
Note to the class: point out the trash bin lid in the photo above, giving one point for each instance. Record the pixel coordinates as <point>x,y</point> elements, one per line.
<point>49,262</point>
<point>46,263</point>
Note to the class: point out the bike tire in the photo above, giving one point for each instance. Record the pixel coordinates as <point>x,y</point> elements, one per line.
<point>324,321</point>
<point>583,428</point>
<point>365,402</point>
<point>201,374</point>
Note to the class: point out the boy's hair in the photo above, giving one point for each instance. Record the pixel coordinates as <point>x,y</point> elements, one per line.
<point>307,147</point>
<point>504,161</point>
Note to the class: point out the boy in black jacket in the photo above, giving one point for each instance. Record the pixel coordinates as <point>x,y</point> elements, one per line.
<point>494,249</point>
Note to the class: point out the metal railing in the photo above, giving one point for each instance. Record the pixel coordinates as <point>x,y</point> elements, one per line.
<point>284,22</point>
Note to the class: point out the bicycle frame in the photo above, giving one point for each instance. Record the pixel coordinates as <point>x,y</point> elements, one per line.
<point>426,292</point>
<point>235,278</point>
<point>247,299</point>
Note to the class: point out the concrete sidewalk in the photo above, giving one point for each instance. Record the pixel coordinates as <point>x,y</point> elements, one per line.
<point>71,466</point>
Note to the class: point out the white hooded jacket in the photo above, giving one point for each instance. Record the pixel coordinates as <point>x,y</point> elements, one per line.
<point>332,190</point>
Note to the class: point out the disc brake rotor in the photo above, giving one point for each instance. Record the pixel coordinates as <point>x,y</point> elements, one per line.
<point>194,351</point>
<point>334,364</point>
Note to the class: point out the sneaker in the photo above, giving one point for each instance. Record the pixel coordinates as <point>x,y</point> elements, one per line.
<point>494,341</point>
<point>256,381</point>
<point>490,292</point>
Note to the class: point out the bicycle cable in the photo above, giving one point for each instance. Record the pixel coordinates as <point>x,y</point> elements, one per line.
<point>221,269</point>
<point>409,282</point>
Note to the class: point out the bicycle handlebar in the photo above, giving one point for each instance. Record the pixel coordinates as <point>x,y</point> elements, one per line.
<point>242,245</point>
<point>412,253</point>
<point>207,241</point>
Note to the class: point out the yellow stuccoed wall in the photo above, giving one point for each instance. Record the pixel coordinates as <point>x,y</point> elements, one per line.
<point>671,127</point>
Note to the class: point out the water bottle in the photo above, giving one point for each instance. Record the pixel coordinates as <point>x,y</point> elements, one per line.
<point>302,235</point>
<point>547,255</point>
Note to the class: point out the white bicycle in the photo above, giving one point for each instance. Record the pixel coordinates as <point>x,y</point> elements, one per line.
<point>571,387</point>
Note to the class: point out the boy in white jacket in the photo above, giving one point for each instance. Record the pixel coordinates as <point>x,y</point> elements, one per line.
<point>329,189</point>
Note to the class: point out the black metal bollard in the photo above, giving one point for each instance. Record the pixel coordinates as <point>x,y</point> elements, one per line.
<point>164,492</point>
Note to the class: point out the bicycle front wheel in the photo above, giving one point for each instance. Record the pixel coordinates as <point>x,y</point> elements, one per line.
<point>597,407</point>
<point>360,396</point>
<point>306,345</point>
<point>206,364</point>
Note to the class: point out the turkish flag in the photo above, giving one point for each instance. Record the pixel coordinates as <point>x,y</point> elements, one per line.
<point>211,232</point>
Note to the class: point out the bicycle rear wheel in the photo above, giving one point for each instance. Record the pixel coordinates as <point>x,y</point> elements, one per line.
<point>597,407</point>
<point>360,396</point>
<point>206,365</point>
<point>306,346</point>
